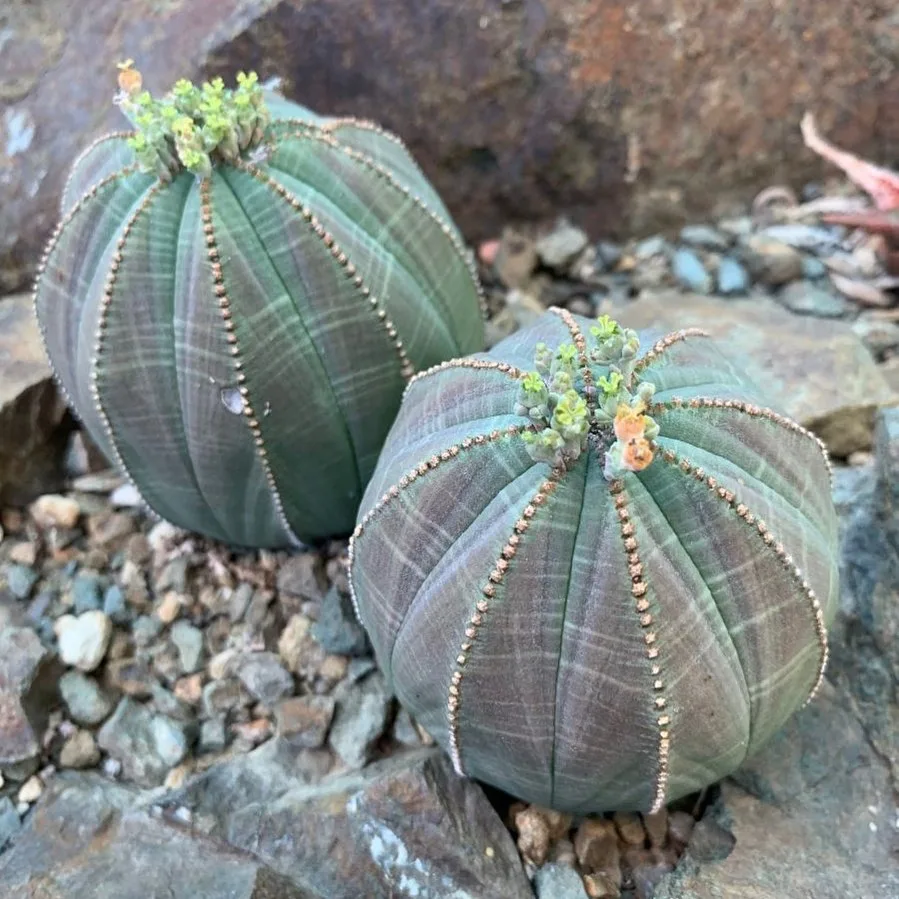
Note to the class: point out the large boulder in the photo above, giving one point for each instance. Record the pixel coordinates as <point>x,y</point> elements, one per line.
<point>628,115</point>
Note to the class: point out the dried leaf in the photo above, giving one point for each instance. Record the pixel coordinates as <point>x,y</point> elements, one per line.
<point>873,221</point>
<point>882,184</point>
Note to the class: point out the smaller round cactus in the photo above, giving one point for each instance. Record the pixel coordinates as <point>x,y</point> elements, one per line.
<point>601,579</point>
<point>235,297</point>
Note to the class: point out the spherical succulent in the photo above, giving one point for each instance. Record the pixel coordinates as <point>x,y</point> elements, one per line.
<point>600,579</point>
<point>235,298</point>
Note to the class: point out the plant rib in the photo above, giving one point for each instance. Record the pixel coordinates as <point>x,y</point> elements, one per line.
<point>48,251</point>
<point>224,305</point>
<point>416,472</point>
<point>708,402</point>
<point>112,135</point>
<point>481,364</point>
<point>758,526</point>
<point>482,607</point>
<point>340,257</point>
<point>639,588</point>
<point>384,173</point>
<point>94,376</point>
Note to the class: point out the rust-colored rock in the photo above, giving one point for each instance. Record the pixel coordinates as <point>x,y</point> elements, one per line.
<point>34,422</point>
<point>626,115</point>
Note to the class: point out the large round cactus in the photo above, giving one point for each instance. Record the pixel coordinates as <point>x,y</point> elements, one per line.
<point>603,583</point>
<point>235,298</point>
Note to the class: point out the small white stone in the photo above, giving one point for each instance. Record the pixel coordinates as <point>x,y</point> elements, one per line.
<point>53,510</point>
<point>83,641</point>
<point>126,497</point>
<point>31,790</point>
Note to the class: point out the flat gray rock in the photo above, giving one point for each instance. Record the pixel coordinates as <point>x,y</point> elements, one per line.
<point>87,839</point>
<point>403,827</point>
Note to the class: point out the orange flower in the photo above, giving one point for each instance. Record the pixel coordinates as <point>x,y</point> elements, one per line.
<point>130,80</point>
<point>630,422</point>
<point>637,454</point>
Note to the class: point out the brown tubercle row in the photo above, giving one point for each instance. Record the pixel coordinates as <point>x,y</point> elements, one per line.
<point>758,526</point>
<point>642,607</point>
<point>340,257</point>
<point>669,340</point>
<point>482,607</point>
<point>224,305</point>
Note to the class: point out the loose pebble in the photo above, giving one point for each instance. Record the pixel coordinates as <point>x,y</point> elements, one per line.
<point>83,640</point>
<point>31,790</point>
<point>689,271</point>
<point>732,277</point>
<point>55,511</point>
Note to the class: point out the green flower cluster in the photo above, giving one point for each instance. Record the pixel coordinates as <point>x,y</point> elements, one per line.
<point>191,127</point>
<point>561,416</point>
<point>559,413</point>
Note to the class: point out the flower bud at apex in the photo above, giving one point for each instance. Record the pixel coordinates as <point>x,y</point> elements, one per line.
<point>565,407</point>
<point>630,422</point>
<point>130,80</point>
<point>636,455</point>
<point>192,127</point>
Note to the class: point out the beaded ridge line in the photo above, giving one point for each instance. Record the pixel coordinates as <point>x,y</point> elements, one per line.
<point>230,336</point>
<point>363,125</point>
<point>341,258</point>
<point>410,477</point>
<point>335,124</point>
<point>708,402</point>
<point>327,138</point>
<point>642,608</point>
<point>99,337</point>
<point>580,343</point>
<point>759,527</point>
<point>464,256</point>
<point>45,258</point>
<point>659,347</point>
<point>482,607</point>
<point>481,364</point>
<point>113,135</point>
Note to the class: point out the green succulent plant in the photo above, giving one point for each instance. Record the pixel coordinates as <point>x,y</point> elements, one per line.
<point>601,579</point>
<point>235,297</point>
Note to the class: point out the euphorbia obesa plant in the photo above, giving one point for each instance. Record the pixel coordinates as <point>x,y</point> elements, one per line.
<point>235,298</point>
<point>601,577</point>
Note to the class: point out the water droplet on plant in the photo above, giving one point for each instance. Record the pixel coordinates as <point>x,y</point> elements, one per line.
<point>232,400</point>
<point>267,409</point>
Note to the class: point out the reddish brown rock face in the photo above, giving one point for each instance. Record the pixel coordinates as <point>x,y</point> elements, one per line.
<point>630,116</point>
